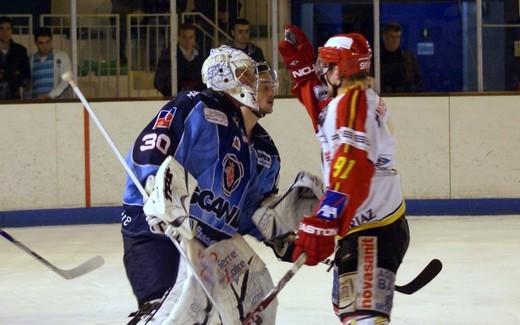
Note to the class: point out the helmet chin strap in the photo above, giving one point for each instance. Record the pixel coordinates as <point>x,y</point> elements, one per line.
<point>258,114</point>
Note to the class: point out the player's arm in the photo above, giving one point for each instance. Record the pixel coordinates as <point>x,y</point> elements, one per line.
<point>349,183</point>
<point>299,58</point>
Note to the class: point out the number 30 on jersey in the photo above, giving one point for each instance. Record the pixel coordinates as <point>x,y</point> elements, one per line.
<point>153,140</point>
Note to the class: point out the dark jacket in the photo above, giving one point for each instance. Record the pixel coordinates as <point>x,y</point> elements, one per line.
<point>14,71</point>
<point>252,50</point>
<point>399,72</point>
<point>188,73</point>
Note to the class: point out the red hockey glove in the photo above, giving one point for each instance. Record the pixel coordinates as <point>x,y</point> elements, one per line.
<point>298,54</point>
<point>316,238</point>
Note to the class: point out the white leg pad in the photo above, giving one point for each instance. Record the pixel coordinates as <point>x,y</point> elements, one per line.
<point>236,277</point>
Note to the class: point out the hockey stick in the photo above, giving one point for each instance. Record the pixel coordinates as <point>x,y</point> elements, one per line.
<point>426,276</point>
<point>253,317</point>
<point>83,268</point>
<point>429,272</point>
<point>68,77</point>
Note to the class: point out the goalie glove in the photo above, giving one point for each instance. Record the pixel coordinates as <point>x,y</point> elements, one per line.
<point>168,206</point>
<point>298,54</point>
<point>281,214</point>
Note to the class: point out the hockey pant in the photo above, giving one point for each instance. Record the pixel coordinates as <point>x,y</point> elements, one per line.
<point>366,263</point>
<point>151,263</point>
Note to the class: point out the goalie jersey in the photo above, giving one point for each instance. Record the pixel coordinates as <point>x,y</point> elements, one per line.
<point>205,133</point>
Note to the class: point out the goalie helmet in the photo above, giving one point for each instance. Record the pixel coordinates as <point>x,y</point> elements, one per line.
<point>350,52</point>
<point>232,71</point>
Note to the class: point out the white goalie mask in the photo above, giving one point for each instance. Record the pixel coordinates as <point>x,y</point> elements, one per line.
<point>233,72</point>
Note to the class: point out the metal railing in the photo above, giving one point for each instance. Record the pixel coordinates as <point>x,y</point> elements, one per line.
<point>146,36</point>
<point>212,34</point>
<point>99,66</point>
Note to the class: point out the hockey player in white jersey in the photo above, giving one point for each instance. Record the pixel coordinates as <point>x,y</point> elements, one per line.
<point>361,214</point>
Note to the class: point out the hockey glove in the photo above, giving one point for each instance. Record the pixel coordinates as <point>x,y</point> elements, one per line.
<point>298,54</point>
<point>316,238</point>
<point>168,207</point>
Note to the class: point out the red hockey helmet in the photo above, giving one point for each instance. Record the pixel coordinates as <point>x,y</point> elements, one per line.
<point>350,52</point>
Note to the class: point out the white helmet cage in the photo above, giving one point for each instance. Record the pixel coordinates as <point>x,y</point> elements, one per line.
<point>232,71</point>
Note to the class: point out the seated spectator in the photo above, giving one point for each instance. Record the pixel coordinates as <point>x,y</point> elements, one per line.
<point>14,63</point>
<point>47,66</point>
<point>399,68</point>
<point>240,32</point>
<point>189,64</point>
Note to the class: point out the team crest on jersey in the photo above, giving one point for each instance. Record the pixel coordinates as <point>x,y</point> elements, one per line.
<point>332,205</point>
<point>233,173</point>
<point>164,118</point>
<point>215,116</point>
<point>264,159</point>
<point>236,143</point>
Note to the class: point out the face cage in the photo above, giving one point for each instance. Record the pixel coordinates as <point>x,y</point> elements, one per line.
<point>267,76</point>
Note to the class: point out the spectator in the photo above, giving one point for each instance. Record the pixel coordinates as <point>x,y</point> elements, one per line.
<point>14,63</point>
<point>240,32</point>
<point>189,64</point>
<point>47,66</point>
<point>399,68</point>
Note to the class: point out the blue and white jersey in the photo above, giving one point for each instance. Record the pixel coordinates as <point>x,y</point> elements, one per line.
<point>205,133</point>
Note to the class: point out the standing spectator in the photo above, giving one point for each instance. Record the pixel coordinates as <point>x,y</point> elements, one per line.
<point>240,32</point>
<point>399,68</point>
<point>14,63</point>
<point>189,64</point>
<point>47,66</point>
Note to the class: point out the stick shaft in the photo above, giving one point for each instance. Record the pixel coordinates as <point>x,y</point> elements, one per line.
<point>108,139</point>
<point>140,187</point>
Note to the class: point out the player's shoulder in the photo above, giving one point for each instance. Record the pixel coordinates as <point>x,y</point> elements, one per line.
<point>263,141</point>
<point>186,100</point>
<point>372,95</point>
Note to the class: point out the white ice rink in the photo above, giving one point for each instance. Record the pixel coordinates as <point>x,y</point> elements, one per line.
<point>480,282</point>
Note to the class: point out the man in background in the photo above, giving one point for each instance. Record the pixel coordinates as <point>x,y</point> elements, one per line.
<point>241,32</point>
<point>14,63</point>
<point>399,68</point>
<point>189,64</point>
<point>47,66</point>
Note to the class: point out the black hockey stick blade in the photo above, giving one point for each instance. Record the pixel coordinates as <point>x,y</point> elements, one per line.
<point>427,274</point>
<point>68,274</point>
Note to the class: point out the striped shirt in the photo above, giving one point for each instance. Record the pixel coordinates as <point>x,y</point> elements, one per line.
<point>43,75</point>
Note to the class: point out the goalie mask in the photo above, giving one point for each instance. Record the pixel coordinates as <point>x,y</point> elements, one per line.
<point>232,71</point>
<point>350,52</point>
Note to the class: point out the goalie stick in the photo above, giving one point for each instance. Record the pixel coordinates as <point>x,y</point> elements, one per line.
<point>253,317</point>
<point>68,77</point>
<point>83,268</point>
<point>429,272</point>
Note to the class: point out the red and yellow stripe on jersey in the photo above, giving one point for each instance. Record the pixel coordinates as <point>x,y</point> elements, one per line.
<point>350,169</point>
